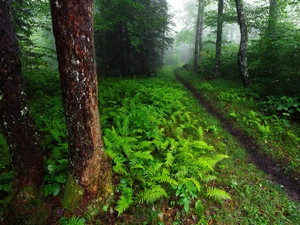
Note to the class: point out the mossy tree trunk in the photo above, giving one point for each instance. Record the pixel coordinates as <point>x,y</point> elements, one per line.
<point>242,55</point>
<point>19,128</point>
<point>90,171</point>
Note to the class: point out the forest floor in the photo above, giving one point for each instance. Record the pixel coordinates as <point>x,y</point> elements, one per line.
<point>159,115</point>
<point>262,161</point>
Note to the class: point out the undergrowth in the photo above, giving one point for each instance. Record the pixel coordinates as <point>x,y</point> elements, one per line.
<point>165,151</point>
<point>156,143</point>
<point>270,121</point>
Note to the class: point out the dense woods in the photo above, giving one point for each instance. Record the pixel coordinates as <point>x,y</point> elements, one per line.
<point>98,125</point>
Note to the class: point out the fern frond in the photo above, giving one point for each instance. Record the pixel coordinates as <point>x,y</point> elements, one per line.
<point>120,166</point>
<point>208,178</point>
<point>151,170</point>
<point>165,178</point>
<point>145,144</point>
<point>169,159</point>
<point>217,194</point>
<point>152,194</point>
<point>125,200</point>
<point>143,155</point>
<point>202,145</point>
<point>200,132</point>
<point>196,183</point>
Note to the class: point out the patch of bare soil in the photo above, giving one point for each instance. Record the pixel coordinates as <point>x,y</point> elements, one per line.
<point>289,183</point>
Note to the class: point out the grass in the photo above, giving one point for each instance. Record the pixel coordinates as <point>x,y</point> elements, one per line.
<point>278,136</point>
<point>255,199</point>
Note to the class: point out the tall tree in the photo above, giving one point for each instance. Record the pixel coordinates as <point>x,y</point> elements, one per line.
<point>90,170</point>
<point>201,28</point>
<point>219,38</point>
<point>273,15</point>
<point>15,118</point>
<point>196,50</point>
<point>242,55</point>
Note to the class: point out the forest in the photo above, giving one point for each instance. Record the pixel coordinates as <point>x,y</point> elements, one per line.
<point>149,112</point>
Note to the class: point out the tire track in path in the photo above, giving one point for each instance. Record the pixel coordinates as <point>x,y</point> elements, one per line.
<point>263,162</point>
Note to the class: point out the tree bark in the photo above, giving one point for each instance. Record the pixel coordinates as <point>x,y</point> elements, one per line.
<point>219,38</point>
<point>19,128</point>
<point>90,171</point>
<point>242,55</point>
<point>196,49</point>
<point>273,15</point>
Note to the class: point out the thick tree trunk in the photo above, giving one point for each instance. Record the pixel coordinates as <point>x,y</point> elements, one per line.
<point>90,171</point>
<point>20,131</point>
<point>242,55</point>
<point>219,38</point>
<point>19,128</point>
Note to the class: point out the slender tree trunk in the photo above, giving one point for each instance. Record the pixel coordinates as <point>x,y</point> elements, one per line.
<point>19,128</point>
<point>273,14</point>
<point>242,55</point>
<point>219,38</point>
<point>196,50</point>
<point>90,171</point>
<point>201,28</point>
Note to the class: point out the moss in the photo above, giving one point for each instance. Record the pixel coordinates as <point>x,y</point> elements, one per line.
<point>26,206</point>
<point>73,194</point>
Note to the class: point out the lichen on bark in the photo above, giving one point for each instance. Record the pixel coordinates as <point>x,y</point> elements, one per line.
<point>89,167</point>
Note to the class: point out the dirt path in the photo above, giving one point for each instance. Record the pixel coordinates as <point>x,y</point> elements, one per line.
<point>264,163</point>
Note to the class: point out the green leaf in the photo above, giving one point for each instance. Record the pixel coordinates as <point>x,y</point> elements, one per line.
<point>199,207</point>
<point>61,178</point>
<point>7,187</point>
<point>53,188</point>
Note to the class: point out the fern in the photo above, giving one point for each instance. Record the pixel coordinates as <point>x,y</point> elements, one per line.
<point>143,155</point>
<point>169,159</point>
<point>217,194</point>
<point>165,177</point>
<point>125,200</point>
<point>155,143</point>
<point>150,195</point>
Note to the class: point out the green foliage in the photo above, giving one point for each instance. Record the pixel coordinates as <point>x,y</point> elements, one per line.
<point>74,220</point>
<point>284,106</point>
<point>56,176</point>
<point>6,181</point>
<point>282,77</point>
<point>217,194</point>
<point>155,143</point>
<point>135,30</point>
<point>45,102</point>
<point>5,165</point>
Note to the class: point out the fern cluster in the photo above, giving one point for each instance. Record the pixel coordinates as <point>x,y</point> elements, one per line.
<point>156,144</point>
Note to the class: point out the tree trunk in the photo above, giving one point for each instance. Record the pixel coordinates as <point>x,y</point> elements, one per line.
<point>219,38</point>
<point>273,15</point>
<point>196,49</point>
<point>242,55</point>
<point>19,128</point>
<point>201,29</point>
<point>89,178</point>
